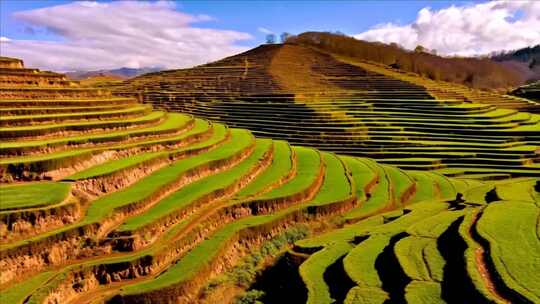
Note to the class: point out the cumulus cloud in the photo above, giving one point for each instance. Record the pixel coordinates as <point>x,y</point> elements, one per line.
<point>134,34</point>
<point>466,30</point>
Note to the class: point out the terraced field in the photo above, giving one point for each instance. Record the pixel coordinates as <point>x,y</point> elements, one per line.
<point>358,109</point>
<point>106,200</point>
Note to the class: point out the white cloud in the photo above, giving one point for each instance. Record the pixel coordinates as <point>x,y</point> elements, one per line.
<point>466,30</point>
<point>4,39</point>
<point>264,30</point>
<point>135,34</point>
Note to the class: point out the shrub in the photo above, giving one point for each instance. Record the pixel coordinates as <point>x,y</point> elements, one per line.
<point>250,297</point>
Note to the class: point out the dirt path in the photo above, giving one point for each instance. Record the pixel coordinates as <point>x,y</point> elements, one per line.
<point>480,255</point>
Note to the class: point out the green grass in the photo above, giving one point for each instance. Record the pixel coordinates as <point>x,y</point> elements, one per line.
<point>362,174</point>
<point>420,258</point>
<point>55,160</point>
<point>309,161</point>
<point>334,172</point>
<point>135,108</point>
<point>359,264</point>
<point>312,272</point>
<point>519,190</point>
<point>471,264</point>
<point>219,132</point>
<point>152,183</point>
<point>447,190</point>
<point>148,185</point>
<point>21,291</point>
<point>425,187</point>
<point>416,135</point>
<point>202,255</point>
<point>36,194</point>
<point>174,121</point>
<point>374,225</point>
<point>149,117</point>
<point>208,249</point>
<point>511,228</point>
<point>401,182</point>
<point>366,295</point>
<point>304,165</point>
<point>114,166</point>
<point>434,226</point>
<point>198,258</point>
<point>418,292</point>
<point>345,234</point>
<point>418,212</point>
<point>58,157</point>
<point>380,196</point>
<point>337,185</point>
<point>461,185</point>
<point>62,110</point>
<point>190,193</point>
<point>281,166</point>
<point>477,195</point>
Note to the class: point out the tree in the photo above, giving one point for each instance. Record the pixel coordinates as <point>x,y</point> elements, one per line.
<point>284,37</point>
<point>420,49</point>
<point>270,38</point>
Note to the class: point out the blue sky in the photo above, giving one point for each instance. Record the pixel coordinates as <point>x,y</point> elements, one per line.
<point>349,17</point>
<point>66,35</point>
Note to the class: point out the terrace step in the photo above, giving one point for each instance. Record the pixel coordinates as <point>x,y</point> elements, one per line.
<point>77,128</point>
<point>32,120</point>
<point>174,124</point>
<point>51,93</point>
<point>62,103</point>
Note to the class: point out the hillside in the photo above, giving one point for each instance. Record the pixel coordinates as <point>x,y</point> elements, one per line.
<point>529,55</point>
<point>355,108</point>
<point>526,61</point>
<point>106,200</point>
<point>480,73</point>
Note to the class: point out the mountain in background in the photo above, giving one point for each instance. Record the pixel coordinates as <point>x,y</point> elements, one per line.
<point>530,55</point>
<point>525,60</point>
<point>121,73</point>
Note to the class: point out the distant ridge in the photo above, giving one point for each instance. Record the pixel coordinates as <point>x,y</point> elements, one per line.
<point>122,73</point>
<point>525,60</point>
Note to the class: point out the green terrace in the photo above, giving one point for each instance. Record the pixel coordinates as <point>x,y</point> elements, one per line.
<point>382,128</point>
<point>358,109</point>
<point>173,123</point>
